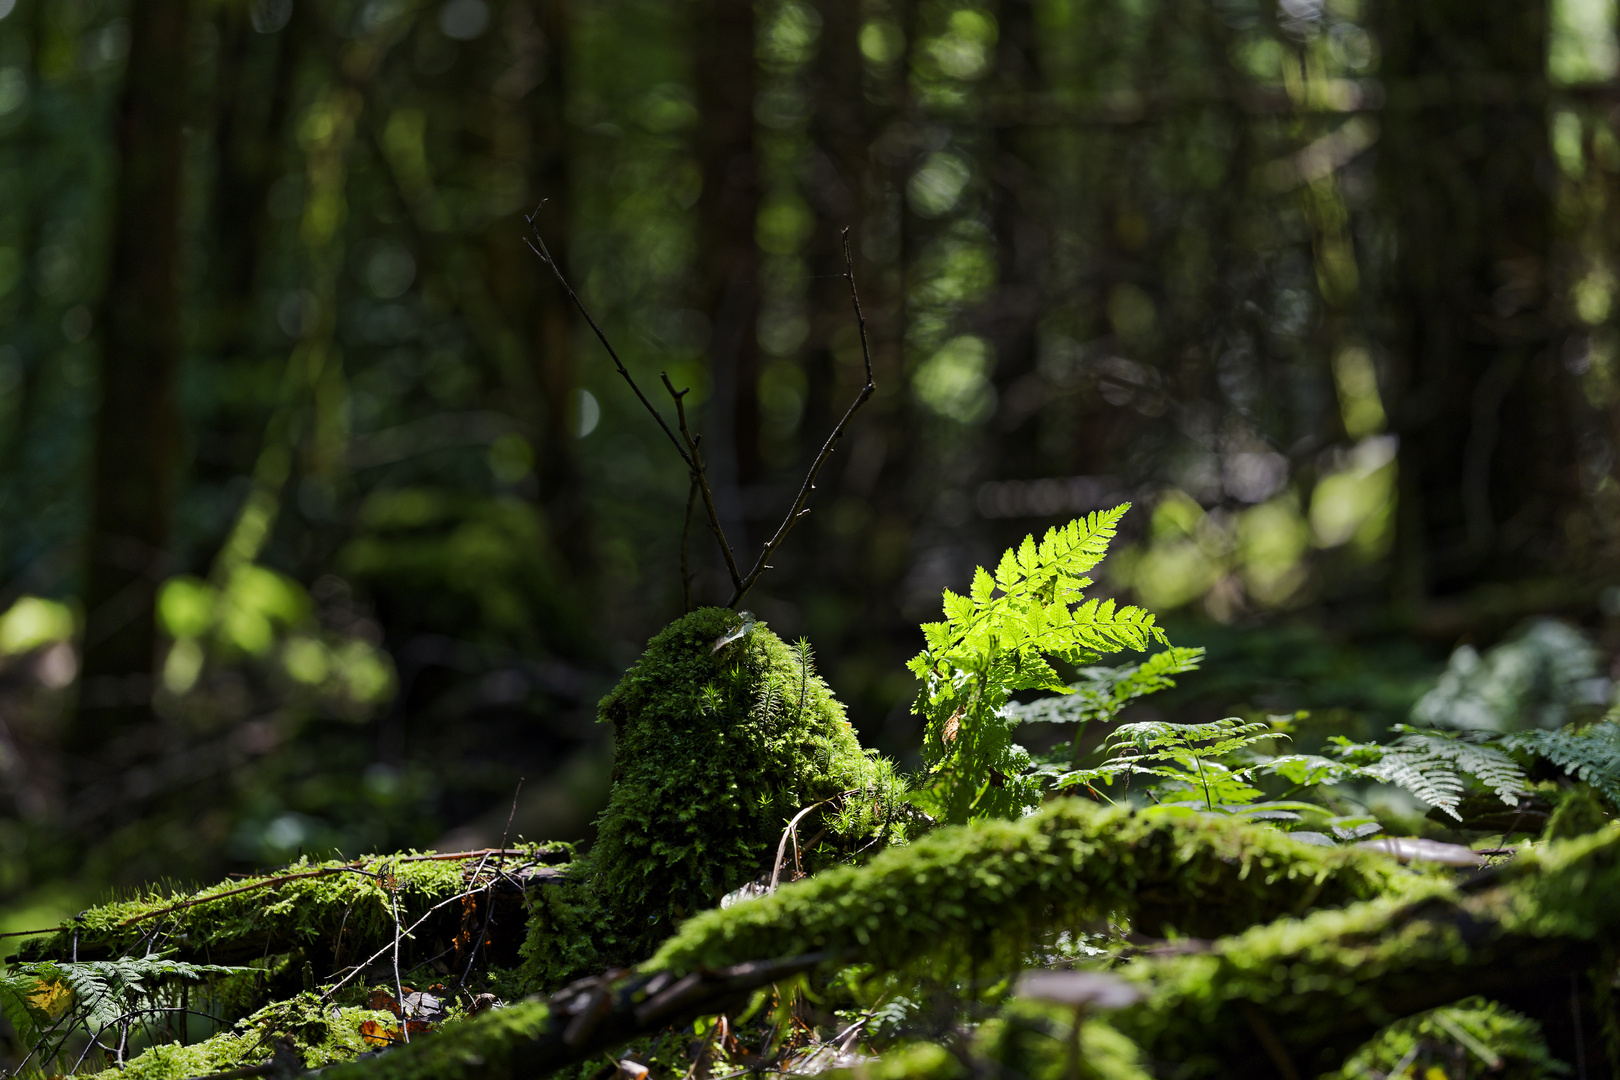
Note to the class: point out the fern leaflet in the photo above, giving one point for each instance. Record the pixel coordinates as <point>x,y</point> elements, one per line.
<point>1591,754</point>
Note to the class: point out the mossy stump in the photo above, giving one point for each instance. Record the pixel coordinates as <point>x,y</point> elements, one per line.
<point>723,734</point>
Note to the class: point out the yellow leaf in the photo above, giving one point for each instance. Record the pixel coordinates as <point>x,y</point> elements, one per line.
<point>50,998</point>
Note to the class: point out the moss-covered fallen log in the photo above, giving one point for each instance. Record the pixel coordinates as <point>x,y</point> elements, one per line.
<point>994,887</point>
<point>998,884</point>
<point>334,912</point>
<point>1295,997</point>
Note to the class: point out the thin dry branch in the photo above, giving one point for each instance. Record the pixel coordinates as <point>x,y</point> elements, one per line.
<point>690,451</point>
<point>701,478</point>
<point>686,547</point>
<point>545,256</point>
<point>798,510</point>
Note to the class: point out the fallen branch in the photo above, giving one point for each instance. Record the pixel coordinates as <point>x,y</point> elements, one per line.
<point>578,1022</point>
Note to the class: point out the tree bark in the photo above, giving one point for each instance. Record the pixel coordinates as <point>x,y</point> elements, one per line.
<point>136,427</point>
<point>1479,396</point>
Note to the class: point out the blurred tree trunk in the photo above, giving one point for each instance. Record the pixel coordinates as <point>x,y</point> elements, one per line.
<point>136,426</point>
<point>1478,393</point>
<point>835,179</point>
<point>253,98</point>
<point>1021,229</point>
<point>726,72</point>
<point>553,315</point>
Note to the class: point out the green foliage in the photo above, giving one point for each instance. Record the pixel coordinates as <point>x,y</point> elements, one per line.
<point>1591,754</point>
<point>48,1003</point>
<point>1000,639</point>
<point>1187,755</point>
<point>1101,693</point>
<point>1546,675</point>
<point>723,733</point>
<point>1472,1039</point>
<point>1432,765</point>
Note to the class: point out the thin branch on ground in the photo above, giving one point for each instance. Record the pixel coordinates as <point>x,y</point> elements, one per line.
<point>798,510</point>
<point>511,816</point>
<point>399,985</point>
<point>792,830</point>
<point>374,957</point>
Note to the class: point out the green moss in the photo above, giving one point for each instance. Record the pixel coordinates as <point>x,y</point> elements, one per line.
<point>1579,811</point>
<point>492,1046</point>
<point>240,920</point>
<point>970,893</point>
<point>1324,984</point>
<point>716,749</point>
<point>1028,1043</point>
<point>322,1034</point>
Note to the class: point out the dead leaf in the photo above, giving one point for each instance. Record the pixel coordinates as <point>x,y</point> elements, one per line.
<point>378,1035</point>
<point>50,998</point>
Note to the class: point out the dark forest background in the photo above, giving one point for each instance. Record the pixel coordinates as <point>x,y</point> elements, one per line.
<point>323,520</point>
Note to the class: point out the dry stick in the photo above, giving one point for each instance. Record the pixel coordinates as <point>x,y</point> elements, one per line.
<point>374,957</point>
<point>399,986</point>
<point>686,545</point>
<point>701,478</point>
<point>510,817</point>
<point>689,453</point>
<point>545,257</point>
<point>798,511</point>
<point>489,897</point>
<point>67,1014</point>
<point>792,830</point>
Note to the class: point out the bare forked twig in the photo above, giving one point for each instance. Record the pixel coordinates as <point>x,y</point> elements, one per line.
<point>690,451</point>
<point>545,257</point>
<point>701,477</point>
<point>798,511</point>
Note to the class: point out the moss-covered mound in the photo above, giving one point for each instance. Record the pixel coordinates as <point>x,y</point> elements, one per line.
<point>723,734</point>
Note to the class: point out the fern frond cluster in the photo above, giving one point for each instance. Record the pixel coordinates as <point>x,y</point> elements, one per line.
<point>47,1002</point>
<point>1000,639</point>
<point>1591,754</point>
<point>1433,765</point>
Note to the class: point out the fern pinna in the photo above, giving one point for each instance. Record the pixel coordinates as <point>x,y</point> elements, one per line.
<point>1000,639</point>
